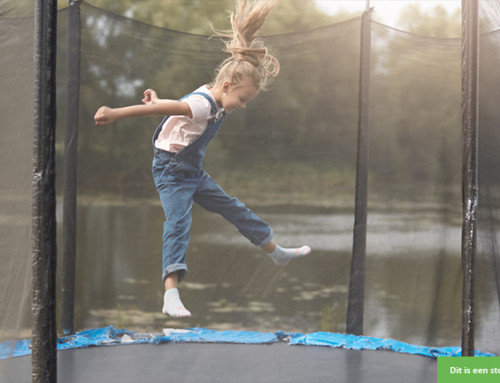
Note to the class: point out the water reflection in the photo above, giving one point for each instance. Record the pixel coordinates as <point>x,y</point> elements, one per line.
<point>413,274</point>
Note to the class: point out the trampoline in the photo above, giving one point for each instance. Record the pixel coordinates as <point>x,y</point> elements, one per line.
<point>381,310</point>
<point>201,355</point>
<point>277,363</point>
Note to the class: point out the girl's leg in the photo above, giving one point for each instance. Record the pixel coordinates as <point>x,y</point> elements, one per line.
<point>269,247</point>
<point>281,256</point>
<point>175,242</point>
<point>211,197</point>
<point>176,194</point>
<point>172,304</point>
<point>171,281</point>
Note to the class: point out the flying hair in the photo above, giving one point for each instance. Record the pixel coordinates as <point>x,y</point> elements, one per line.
<point>249,57</point>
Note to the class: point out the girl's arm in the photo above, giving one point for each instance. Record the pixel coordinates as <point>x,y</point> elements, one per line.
<point>153,106</point>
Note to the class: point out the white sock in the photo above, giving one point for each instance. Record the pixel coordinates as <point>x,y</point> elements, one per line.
<point>173,306</point>
<point>282,256</point>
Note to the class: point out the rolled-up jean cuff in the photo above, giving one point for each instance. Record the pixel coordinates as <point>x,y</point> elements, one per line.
<point>180,268</point>
<point>266,240</point>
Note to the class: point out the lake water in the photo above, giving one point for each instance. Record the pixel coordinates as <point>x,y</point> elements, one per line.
<point>413,273</point>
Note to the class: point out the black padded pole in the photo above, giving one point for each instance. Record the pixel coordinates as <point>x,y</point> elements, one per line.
<point>44,359</point>
<point>355,305</point>
<point>470,185</point>
<point>70,167</point>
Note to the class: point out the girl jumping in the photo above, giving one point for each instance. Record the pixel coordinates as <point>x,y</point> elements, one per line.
<point>180,142</point>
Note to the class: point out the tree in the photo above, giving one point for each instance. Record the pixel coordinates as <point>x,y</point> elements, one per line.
<point>435,23</point>
<point>416,98</point>
<point>195,16</point>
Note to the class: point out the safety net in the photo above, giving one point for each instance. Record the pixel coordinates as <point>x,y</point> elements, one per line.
<point>16,137</point>
<point>290,156</point>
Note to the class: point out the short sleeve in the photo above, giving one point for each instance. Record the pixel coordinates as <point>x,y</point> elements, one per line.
<point>200,108</point>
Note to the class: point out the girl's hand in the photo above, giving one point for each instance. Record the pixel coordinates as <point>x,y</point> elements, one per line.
<point>104,115</point>
<point>150,97</point>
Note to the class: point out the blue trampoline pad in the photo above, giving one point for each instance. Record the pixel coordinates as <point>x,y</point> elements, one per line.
<point>108,336</point>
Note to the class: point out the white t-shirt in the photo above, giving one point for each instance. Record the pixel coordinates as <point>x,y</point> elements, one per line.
<point>180,131</point>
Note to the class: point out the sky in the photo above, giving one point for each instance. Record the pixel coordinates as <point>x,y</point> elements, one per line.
<point>385,11</point>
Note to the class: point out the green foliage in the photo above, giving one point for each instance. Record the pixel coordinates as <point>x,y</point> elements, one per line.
<point>195,16</point>
<point>436,23</point>
<point>416,100</point>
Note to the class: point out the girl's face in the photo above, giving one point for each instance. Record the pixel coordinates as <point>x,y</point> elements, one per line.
<point>237,96</point>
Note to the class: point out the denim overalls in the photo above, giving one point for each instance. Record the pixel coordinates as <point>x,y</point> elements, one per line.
<point>180,180</point>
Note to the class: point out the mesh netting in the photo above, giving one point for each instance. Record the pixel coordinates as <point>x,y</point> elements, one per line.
<point>488,294</point>
<point>290,156</point>
<point>16,138</point>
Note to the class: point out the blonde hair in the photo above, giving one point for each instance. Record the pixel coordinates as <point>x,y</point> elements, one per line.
<point>249,57</point>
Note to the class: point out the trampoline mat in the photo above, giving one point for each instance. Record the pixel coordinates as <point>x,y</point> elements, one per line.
<point>234,363</point>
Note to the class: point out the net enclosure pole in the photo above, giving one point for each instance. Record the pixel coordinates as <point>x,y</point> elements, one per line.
<point>470,185</point>
<point>44,358</point>
<point>355,305</point>
<point>70,168</point>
